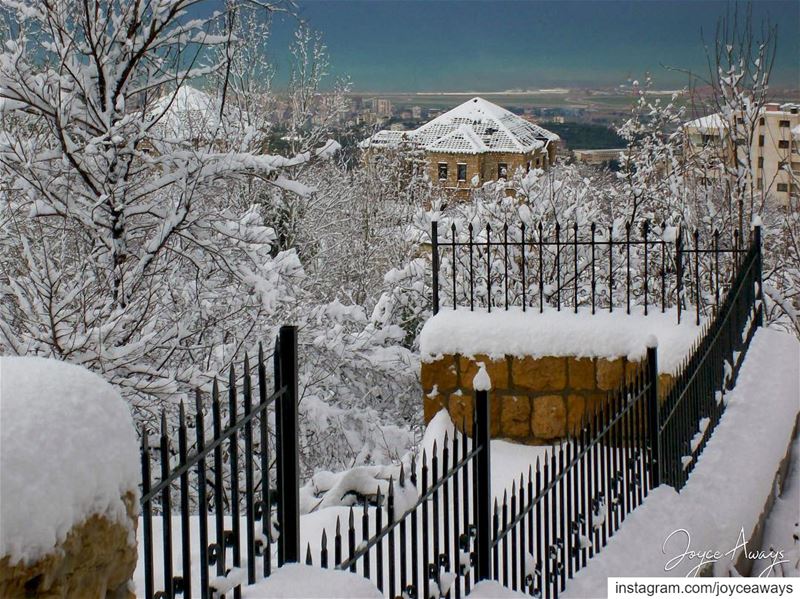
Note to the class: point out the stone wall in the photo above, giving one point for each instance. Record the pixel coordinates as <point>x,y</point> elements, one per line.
<point>533,400</point>
<point>95,560</point>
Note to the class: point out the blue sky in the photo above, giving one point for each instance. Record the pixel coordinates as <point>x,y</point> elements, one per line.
<point>489,45</point>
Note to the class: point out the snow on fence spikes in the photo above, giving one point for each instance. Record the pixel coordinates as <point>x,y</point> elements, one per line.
<point>553,333</point>
<point>69,451</point>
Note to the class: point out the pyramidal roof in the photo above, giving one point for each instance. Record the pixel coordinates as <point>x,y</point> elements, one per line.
<point>474,127</point>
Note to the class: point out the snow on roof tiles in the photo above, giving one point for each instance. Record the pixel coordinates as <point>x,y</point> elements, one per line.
<point>189,113</point>
<point>711,123</point>
<point>474,127</point>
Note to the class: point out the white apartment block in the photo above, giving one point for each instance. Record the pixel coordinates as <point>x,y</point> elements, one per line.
<point>774,151</point>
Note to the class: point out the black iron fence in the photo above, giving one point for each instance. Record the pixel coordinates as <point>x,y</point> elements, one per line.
<point>426,546</point>
<point>436,531</point>
<point>569,504</point>
<point>550,266</point>
<point>695,403</point>
<point>555,518</point>
<point>221,541</point>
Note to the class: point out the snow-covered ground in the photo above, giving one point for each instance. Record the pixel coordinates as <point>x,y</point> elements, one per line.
<point>726,491</point>
<point>782,529</point>
<point>305,582</point>
<point>508,461</point>
<point>560,333</point>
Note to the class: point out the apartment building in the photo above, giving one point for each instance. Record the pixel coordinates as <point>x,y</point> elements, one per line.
<point>774,151</point>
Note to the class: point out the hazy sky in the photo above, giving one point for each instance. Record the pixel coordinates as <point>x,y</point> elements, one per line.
<point>486,45</point>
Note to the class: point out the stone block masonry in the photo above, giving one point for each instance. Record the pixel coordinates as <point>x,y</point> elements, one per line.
<point>533,400</point>
<point>97,559</point>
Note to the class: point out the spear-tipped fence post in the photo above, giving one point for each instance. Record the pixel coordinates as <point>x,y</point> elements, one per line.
<point>757,243</point>
<point>653,415</point>
<point>289,491</point>
<point>435,264</point>
<point>483,540</point>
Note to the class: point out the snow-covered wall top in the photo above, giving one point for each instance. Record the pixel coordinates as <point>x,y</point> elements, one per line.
<point>554,333</point>
<point>69,451</point>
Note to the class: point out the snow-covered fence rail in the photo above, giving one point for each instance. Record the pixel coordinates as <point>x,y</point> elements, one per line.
<point>208,461</point>
<point>548,265</point>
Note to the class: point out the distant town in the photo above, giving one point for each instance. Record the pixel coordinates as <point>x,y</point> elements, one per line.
<point>583,118</point>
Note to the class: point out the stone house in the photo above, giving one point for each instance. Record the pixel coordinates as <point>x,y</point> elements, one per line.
<point>472,144</point>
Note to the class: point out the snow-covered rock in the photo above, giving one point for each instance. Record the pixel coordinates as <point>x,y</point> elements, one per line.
<point>69,452</point>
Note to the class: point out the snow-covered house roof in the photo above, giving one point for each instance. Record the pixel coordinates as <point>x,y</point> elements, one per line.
<point>187,113</point>
<point>190,113</point>
<point>711,123</point>
<point>796,132</point>
<point>474,127</point>
<point>714,123</point>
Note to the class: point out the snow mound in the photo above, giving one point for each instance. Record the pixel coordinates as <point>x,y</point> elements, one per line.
<point>307,582</point>
<point>553,333</point>
<point>69,451</point>
<point>491,589</point>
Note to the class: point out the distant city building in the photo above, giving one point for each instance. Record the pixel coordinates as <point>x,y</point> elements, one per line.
<point>598,157</point>
<point>383,108</point>
<point>416,112</point>
<point>774,151</point>
<point>474,143</point>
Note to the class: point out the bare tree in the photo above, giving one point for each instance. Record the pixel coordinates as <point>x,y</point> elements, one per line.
<point>123,249</point>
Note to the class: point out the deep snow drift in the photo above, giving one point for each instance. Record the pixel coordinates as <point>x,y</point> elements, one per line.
<point>68,451</point>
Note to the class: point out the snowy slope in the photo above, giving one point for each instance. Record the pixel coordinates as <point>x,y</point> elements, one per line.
<point>726,491</point>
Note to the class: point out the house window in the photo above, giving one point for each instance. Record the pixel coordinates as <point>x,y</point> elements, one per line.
<point>461,172</point>
<point>538,162</point>
<point>784,123</point>
<point>760,141</point>
<point>783,143</point>
<point>761,121</point>
<point>707,139</point>
<point>502,170</point>
<point>740,120</point>
<point>783,187</point>
<point>760,184</point>
<point>760,162</point>
<point>528,167</point>
<point>442,171</point>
